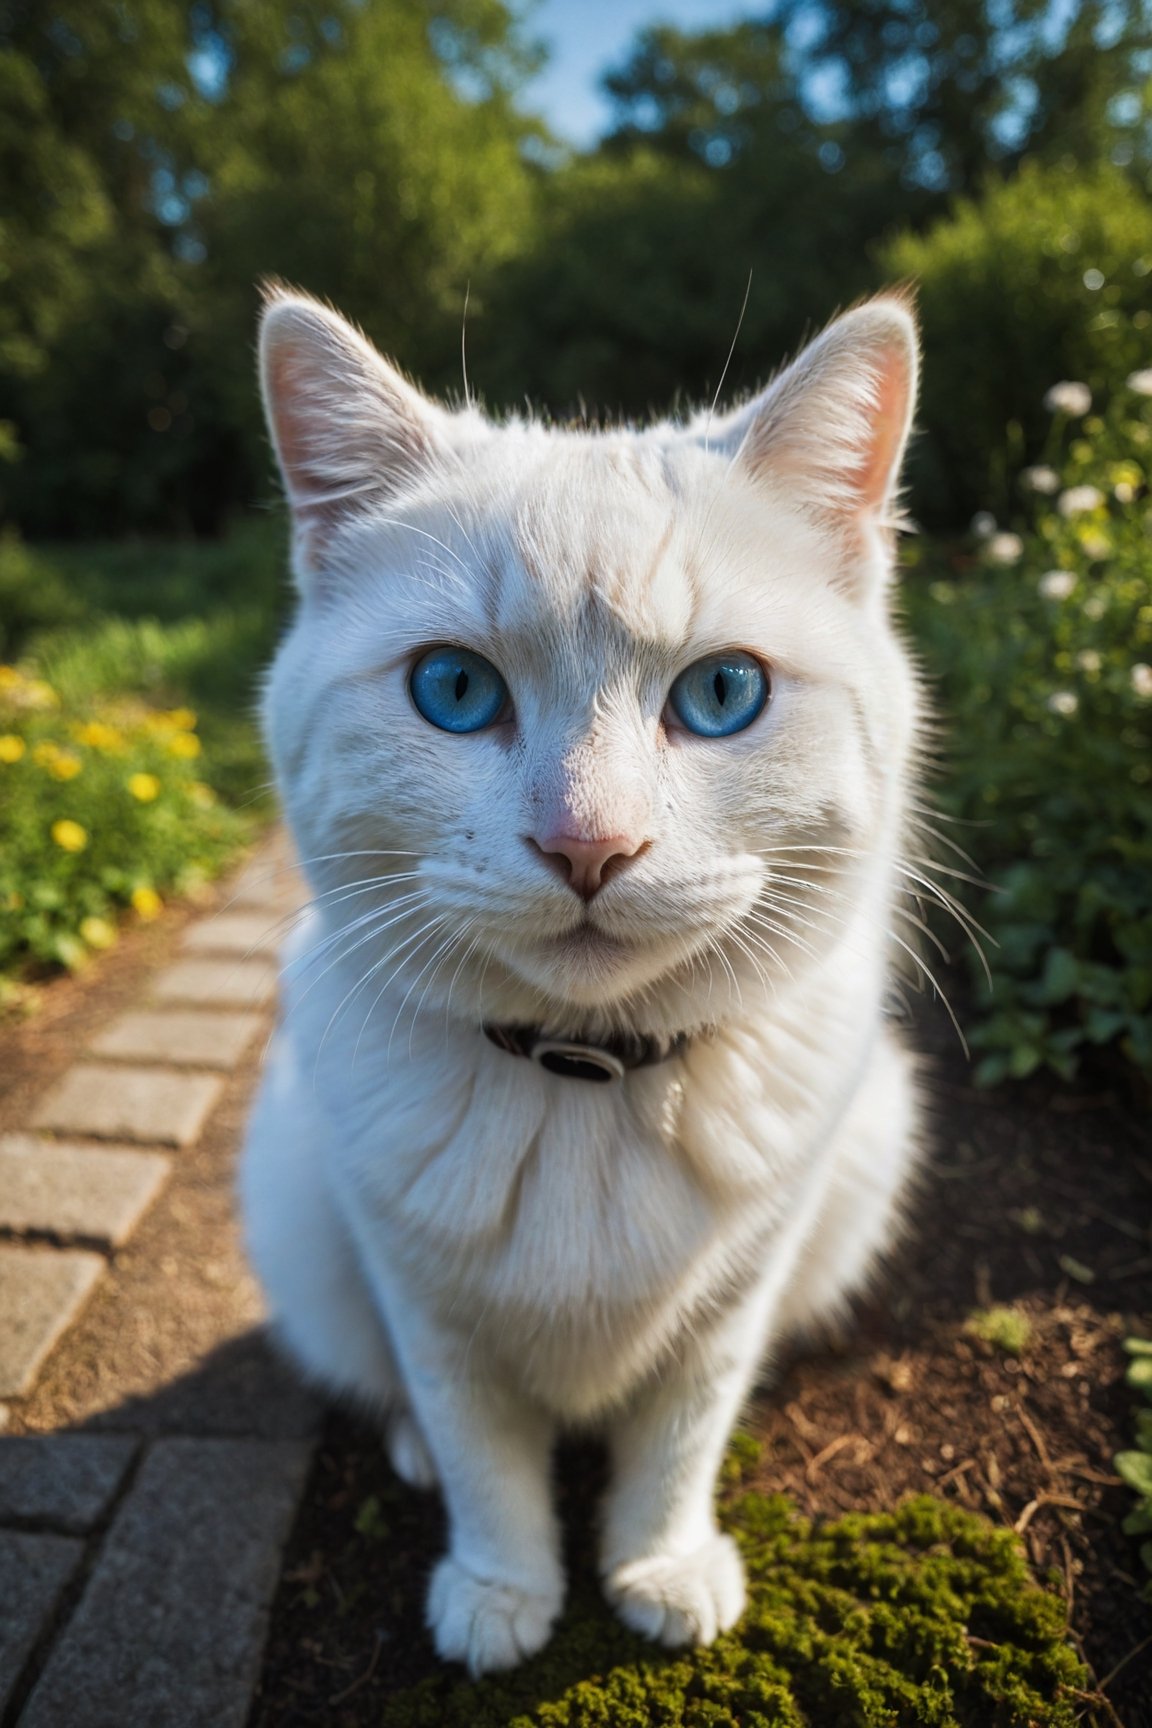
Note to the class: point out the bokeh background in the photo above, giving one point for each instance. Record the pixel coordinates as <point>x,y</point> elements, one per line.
<point>602,210</point>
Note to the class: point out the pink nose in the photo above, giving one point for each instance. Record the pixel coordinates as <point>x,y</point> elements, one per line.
<point>587,864</point>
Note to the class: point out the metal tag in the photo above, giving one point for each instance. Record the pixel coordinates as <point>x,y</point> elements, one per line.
<point>577,1061</point>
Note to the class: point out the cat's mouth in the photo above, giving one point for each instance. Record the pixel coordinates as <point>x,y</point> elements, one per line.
<point>587,942</point>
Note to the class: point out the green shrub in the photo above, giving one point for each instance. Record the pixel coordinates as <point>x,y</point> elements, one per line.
<point>1042,646</point>
<point>103,809</point>
<point>1046,276</point>
<point>923,1616</point>
<point>1136,1466</point>
<point>31,597</point>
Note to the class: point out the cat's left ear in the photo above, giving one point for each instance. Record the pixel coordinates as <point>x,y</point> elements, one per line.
<point>834,424</point>
<point>348,428</point>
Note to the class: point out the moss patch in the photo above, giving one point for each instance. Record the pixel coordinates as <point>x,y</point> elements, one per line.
<point>1005,1328</point>
<point>922,1616</point>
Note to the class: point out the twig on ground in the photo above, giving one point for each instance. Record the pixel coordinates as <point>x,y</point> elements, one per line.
<point>339,1697</point>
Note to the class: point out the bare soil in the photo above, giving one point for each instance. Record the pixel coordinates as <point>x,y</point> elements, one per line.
<point>1038,1196</point>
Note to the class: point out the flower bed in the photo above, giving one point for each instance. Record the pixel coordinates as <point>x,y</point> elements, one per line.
<point>104,812</point>
<point>1040,644</point>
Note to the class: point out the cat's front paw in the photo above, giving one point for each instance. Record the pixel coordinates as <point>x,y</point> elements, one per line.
<point>681,1598</point>
<point>485,1623</point>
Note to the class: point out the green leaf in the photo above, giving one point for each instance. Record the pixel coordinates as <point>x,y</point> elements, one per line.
<point>1139,1375</point>
<point>1024,1060</point>
<point>1060,977</point>
<point>370,1520</point>
<point>1135,1468</point>
<point>990,1071</point>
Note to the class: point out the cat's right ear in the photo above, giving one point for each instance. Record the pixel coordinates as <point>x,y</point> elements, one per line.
<point>348,429</point>
<point>832,427</point>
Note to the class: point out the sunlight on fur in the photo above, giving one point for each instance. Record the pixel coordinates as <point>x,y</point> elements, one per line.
<point>602,738</point>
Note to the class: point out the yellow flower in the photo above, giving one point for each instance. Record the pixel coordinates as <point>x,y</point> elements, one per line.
<point>98,933</point>
<point>69,835</point>
<point>9,677</point>
<point>202,796</point>
<point>182,718</point>
<point>184,744</point>
<point>98,736</point>
<point>11,747</point>
<point>45,753</point>
<point>144,787</point>
<point>65,766</point>
<point>147,903</point>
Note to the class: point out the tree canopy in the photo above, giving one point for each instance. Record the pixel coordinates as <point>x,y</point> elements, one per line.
<point>158,157</point>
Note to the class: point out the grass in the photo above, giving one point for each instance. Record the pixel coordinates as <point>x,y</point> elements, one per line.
<point>174,623</point>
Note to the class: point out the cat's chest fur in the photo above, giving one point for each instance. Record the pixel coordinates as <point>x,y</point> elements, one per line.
<point>575,1231</point>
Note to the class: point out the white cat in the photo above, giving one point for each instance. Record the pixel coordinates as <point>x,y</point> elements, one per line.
<point>596,748</point>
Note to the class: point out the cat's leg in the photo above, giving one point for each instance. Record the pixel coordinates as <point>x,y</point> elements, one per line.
<point>321,1305</point>
<point>496,1594</point>
<point>668,1570</point>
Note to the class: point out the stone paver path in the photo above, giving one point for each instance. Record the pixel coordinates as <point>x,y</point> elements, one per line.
<point>137,1564</point>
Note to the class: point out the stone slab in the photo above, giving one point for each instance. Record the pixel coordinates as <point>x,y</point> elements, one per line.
<point>151,1106</point>
<point>217,983</point>
<point>95,1193</point>
<point>244,1387</point>
<point>184,1037</point>
<point>171,1627</point>
<point>270,879</point>
<point>65,1480</point>
<point>41,1292</point>
<point>239,932</point>
<point>34,1572</point>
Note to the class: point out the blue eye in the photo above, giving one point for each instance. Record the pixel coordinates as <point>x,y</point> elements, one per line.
<point>456,690</point>
<point>720,694</point>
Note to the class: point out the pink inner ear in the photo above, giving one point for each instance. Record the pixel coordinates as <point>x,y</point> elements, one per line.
<point>289,413</point>
<point>872,477</point>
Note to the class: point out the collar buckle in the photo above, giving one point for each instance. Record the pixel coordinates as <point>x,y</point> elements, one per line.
<point>576,1061</point>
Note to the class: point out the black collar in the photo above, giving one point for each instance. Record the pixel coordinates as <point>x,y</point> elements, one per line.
<point>574,1059</point>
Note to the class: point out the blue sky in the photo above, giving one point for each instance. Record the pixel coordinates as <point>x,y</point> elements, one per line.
<point>586,36</point>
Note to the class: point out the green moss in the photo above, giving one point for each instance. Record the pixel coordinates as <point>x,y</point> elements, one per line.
<point>924,1617</point>
<point>1007,1329</point>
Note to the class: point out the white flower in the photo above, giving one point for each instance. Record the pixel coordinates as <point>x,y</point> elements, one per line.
<point>1096,545</point>
<point>1063,702</point>
<point>1077,499</point>
<point>1124,491</point>
<point>1057,584</point>
<point>983,524</point>
<point>1141,676</point>
<point>1095,606</point>
<point>1040,479</point>
<point>1088,660</point>
<point>1141,382</point>
<point>1004,548</point>
<point>1068,397</point>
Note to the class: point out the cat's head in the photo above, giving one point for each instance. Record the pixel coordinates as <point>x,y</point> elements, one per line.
<point>617,717</point>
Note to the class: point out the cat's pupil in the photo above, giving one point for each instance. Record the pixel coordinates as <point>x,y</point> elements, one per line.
<point>720,685</point>
<point>461,685</point>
